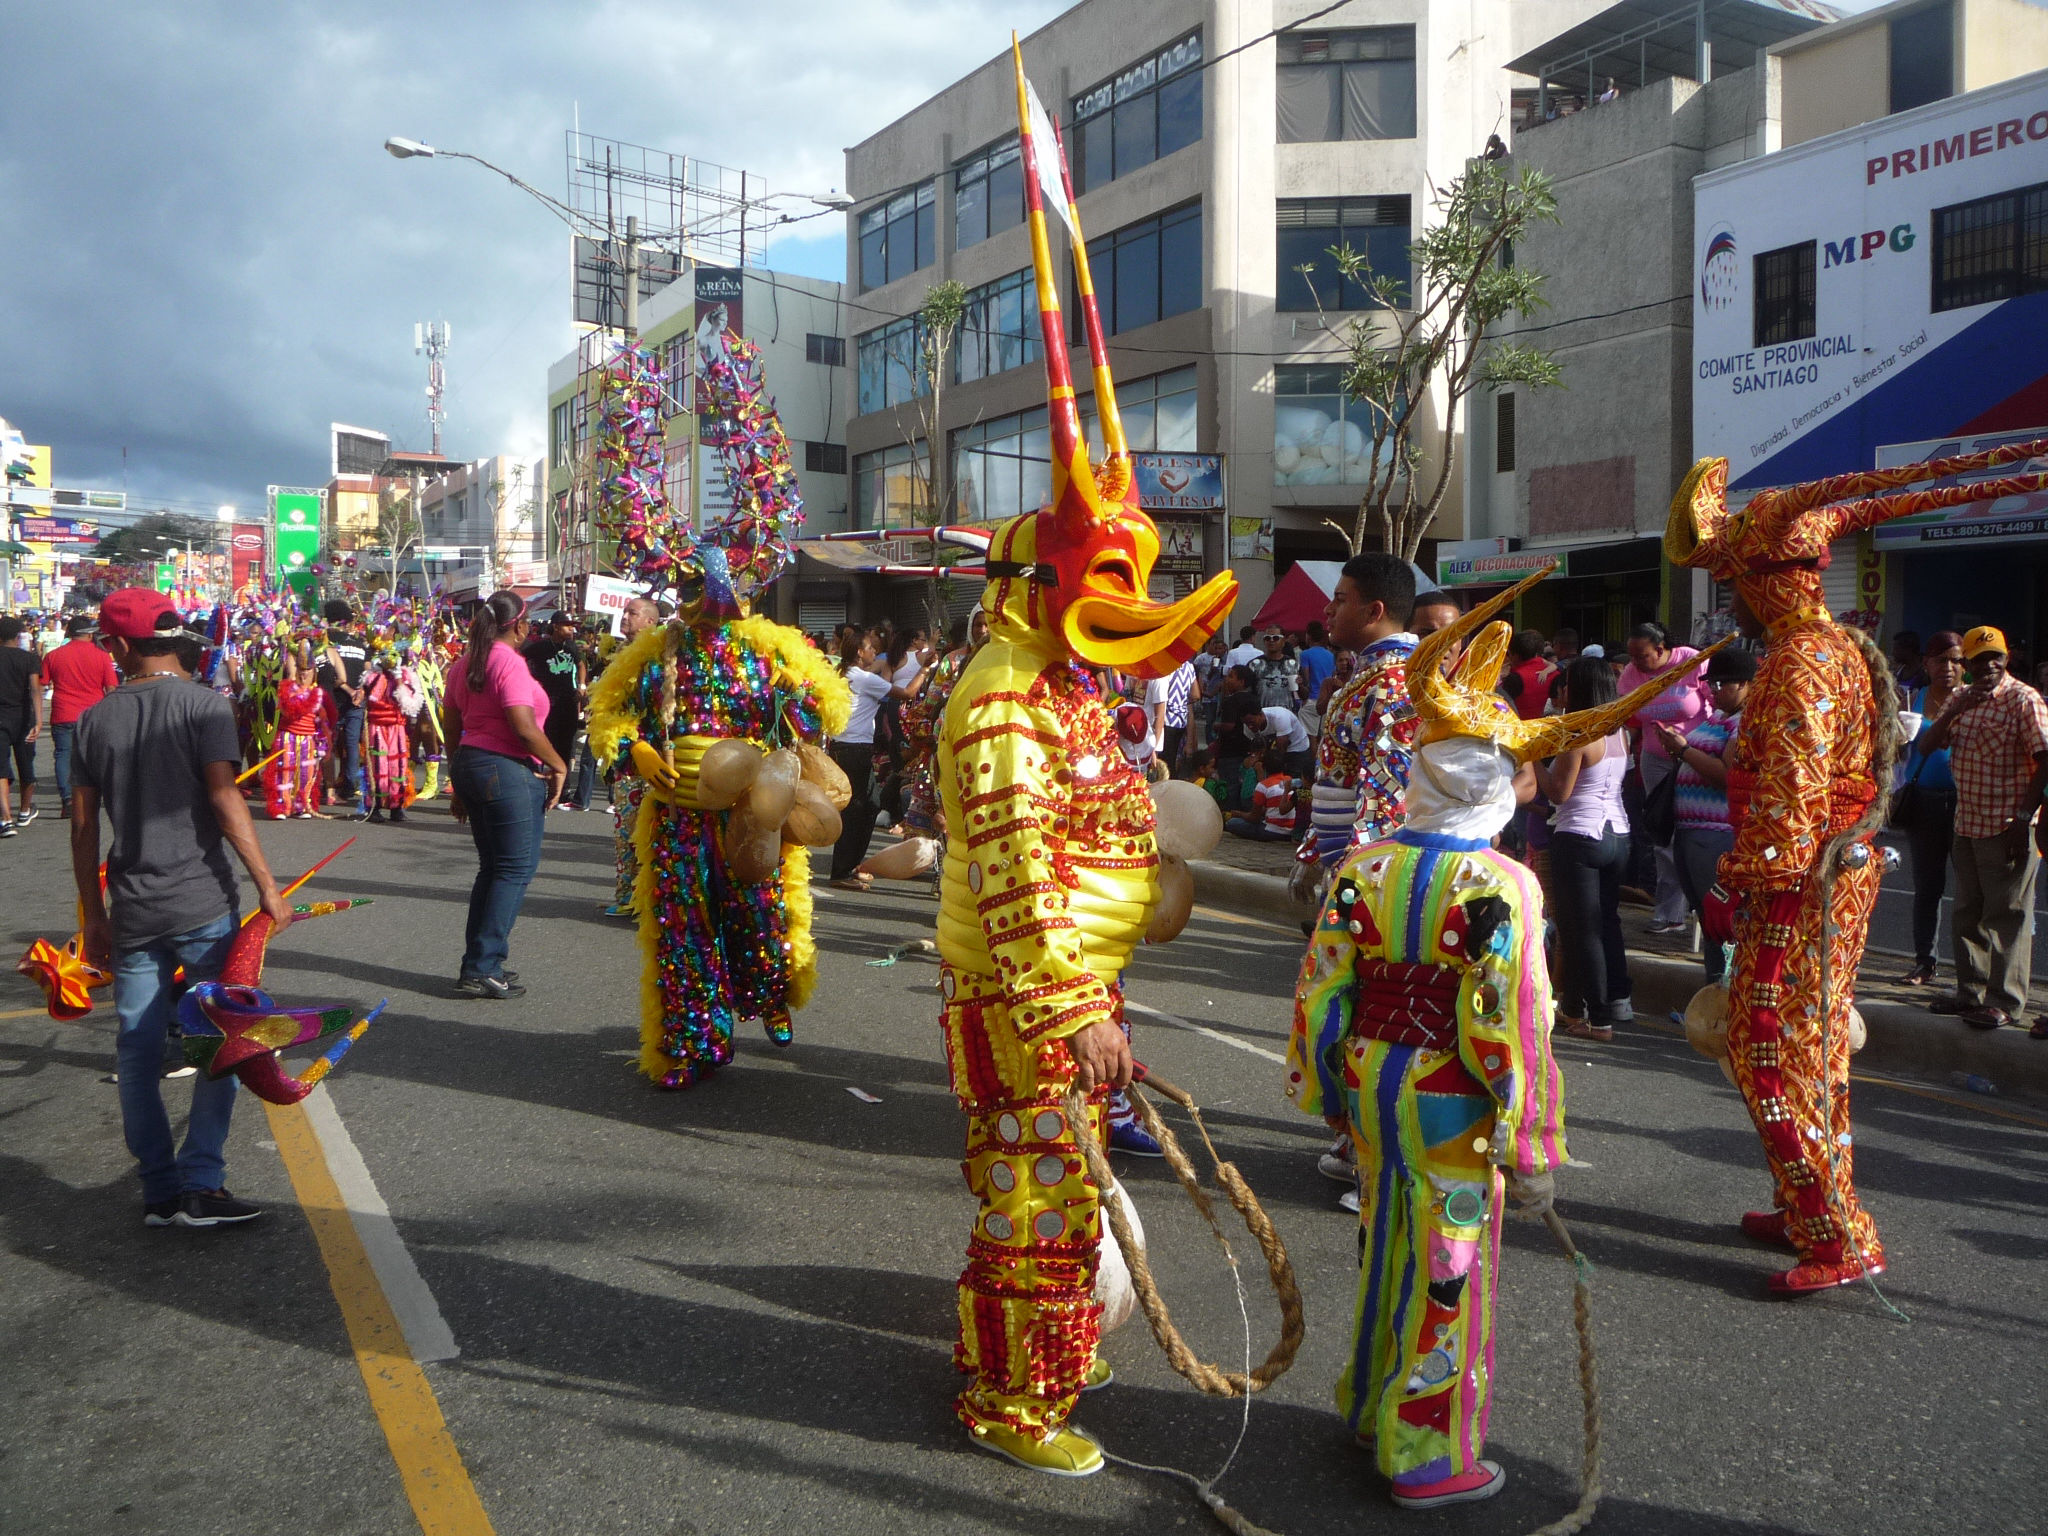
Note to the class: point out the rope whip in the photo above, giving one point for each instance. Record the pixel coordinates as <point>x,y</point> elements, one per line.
<point>1280,1272</point>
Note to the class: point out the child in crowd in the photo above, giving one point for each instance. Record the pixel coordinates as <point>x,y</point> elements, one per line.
<point>1274,812</point>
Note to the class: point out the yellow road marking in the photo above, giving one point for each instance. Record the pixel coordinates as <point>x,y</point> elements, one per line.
<point>443,1498</point>
<point>1248,922</point>
<point>26,1013</point>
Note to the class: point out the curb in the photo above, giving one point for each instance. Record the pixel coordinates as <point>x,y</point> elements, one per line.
<point>1904,1041</point>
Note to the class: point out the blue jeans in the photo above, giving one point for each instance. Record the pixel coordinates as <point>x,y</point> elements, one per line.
<point>1698,851</point>
<point>351,749</point>
<point>505,800</point>
<point>60,748</point>
<point>142,999</point>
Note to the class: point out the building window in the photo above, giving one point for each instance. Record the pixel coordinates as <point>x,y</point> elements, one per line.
<point>1319,437</point>
<point>1309,228</point>
<point>988,193</point>
<point>1503,433</point>
<point>898,237</point>
<point>1991,249</point>
<point>1158,414</point>
<point>1002,467</point>
<point>1784,295</point>
<point>558,434</point>
<point>829,350</point>
<point>891,365</point>
<point>999,329</point>
<point>1354,84</point>
<point>1141,115</point>
<point>675,373</point>
<point>889,488</point>
<point>1147,271</point>
<point>1922,57</point>
<point>825,458</point>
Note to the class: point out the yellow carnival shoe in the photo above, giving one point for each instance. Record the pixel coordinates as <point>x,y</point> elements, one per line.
<point>1099,1376</point>
<point>1065,1453</point>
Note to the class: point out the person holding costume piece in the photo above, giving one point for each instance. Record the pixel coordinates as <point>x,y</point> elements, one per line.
<point>159,755</point>
<point>1050,878</point>
<point>1808,775</point>
<point>1422,1028</point>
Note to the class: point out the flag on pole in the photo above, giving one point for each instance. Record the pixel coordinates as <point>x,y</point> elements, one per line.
<point>1050,161</point>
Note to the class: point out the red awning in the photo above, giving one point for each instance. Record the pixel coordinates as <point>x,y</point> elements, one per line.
<point>1303,594</point>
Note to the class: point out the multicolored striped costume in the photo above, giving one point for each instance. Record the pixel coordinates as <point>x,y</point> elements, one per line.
<point>291,782</point>
<point>1423,1018</point>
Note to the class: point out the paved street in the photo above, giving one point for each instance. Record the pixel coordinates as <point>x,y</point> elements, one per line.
<point>730,1310</point>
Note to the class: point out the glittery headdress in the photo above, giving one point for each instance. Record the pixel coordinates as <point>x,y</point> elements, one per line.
<point>1085,561</point>
<point>1466,703</point>
<point>1775,548</point>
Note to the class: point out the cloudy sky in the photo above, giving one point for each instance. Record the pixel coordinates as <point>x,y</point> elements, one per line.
<point>208,257</point>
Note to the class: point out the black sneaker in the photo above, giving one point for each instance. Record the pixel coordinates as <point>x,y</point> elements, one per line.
<point>377,816</point>
<point>9,829</point>
<point>28,814</point>
<point>160,1213</point>
<point>495,987</point>
<point>397,813</point>
<point>214,1208</point>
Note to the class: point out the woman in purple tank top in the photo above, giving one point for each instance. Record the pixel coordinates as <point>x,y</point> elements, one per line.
<point>1588,852</point>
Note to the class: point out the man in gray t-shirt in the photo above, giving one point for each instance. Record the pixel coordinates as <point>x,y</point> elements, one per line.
<point>160,754</point>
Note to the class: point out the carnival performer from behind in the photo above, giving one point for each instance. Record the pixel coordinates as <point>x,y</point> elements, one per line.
<point>1049,878</point>
<point>1422,1029</point>
<point>1808,778</point>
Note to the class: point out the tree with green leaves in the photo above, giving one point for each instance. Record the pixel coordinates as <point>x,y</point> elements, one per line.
<point>938,331</point>
<point>147,538</point>
<point>1431,347</point>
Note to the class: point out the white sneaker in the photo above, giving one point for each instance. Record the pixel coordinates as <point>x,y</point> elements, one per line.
<point>1348,1201</point>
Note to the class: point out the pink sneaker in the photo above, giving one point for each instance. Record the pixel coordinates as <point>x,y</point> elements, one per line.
<point>1482,1482</point>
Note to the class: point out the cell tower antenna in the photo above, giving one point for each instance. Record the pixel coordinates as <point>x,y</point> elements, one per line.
<point>431,337</point>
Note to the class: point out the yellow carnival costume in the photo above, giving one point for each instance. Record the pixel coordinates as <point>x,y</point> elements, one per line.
<point>1808,775</point>
<point>1049,880</point>
<point>1423,1020</point>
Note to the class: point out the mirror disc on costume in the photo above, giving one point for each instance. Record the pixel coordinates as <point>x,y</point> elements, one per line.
<point>1049,1170</point>
<point>1487,998</point>
<point>1008,1128</point>
<point>1048,1124</point>
<point>974,877</point>
<point>1003,1176</point>
<point>998,1226</point>
<point>1463,1207</point>
<point>1049,1225</point>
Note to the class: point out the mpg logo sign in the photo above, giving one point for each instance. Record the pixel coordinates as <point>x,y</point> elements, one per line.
<point>1720,270</point>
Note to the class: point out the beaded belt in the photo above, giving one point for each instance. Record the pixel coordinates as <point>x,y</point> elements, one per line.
<point>1406,1004</point>
<point>1848,799</point>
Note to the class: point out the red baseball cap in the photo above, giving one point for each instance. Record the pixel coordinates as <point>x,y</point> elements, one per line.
<point>137,613</point>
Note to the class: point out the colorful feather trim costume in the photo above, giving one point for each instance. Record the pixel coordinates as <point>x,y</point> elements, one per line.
<point>1050,876</point>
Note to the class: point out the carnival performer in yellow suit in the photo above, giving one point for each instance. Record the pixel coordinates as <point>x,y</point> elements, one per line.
<point>1819,737</point>
<point>1050,877</point>
<point>1422,1023</point>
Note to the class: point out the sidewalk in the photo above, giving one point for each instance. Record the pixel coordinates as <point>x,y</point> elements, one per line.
<point>1905,1039</point>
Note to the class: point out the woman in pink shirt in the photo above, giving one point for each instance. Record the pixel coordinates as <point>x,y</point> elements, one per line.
<point>506,777</point>
<point>1682,706</point>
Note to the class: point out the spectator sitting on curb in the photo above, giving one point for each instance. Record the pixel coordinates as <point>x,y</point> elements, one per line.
<point>1273,816</point>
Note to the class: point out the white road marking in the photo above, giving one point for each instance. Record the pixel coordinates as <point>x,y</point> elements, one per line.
<point>1202,1029</point>
<point>426,1332</point>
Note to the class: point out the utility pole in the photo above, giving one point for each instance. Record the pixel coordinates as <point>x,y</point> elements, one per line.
<point>431,337</point>
<point>632,281</point>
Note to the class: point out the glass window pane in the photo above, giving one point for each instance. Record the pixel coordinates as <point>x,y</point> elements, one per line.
<point>1180,263</point>
<point>1175,432</point>
<point>871,393</point>
<point>1137,133</point>
<point>970,214</point>
<point>1137,278</point>
<point>1297,247</point>
<point>1034,471</point>
<point>1102,269</point>
<point>1379,99</point>
<point>1093,159</point>
<point>1005,196</point>
<point>1311,103</point>
<point>1138,425</point>
<point>902,247</point>
<point>1308,427</point>
<point>1180,113</point>
<point>927,236</point>
<point>873,265</point>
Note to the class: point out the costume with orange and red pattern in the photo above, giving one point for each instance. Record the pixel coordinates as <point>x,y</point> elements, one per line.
<point>1816,741</point>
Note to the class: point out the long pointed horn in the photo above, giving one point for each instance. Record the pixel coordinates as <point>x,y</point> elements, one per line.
<point>1063,416</point>
<point>1116,449</point>
<point>1818,493</point>
<point>1431,693</point>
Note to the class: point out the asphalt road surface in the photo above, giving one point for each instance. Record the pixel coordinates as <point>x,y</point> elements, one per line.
<point>731,1310</point>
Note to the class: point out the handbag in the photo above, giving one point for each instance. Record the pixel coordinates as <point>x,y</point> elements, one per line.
<point>1660,810</point>
<point>1905,808</point>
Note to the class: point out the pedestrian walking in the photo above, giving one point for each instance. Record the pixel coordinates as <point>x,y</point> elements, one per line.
<point>80,673</point>
<point>558,665</point>
<point>1924,807</point>
<point>1588,848</point>
<point>1276,676</point>
<point>1169,705</point>
<point>159,755</point>
<point>1996,733</point>
<point>1683,705</point>
<point>21,722</point>
<point>507,774</point>
<point>853,749</point>
<point>1702,831</point>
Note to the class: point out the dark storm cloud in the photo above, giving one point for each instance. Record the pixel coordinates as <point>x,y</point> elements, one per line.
<point>208,256</point>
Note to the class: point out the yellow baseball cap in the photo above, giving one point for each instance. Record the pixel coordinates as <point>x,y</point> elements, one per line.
<point>1982,639</point>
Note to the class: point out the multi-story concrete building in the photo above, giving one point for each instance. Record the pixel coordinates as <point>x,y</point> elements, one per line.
<point>1212,159</point>
<point>482,525</point>
<point>1585,473</point>
<point>800,325</point>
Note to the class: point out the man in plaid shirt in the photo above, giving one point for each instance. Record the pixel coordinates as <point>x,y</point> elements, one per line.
<point>1996,731</point>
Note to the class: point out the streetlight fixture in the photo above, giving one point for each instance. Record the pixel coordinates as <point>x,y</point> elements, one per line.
<point>225,514</point>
